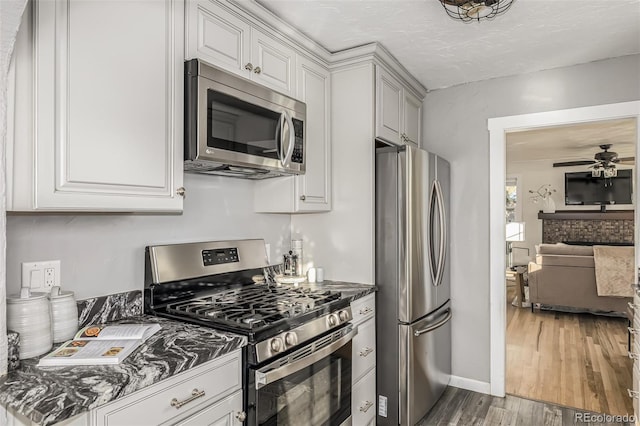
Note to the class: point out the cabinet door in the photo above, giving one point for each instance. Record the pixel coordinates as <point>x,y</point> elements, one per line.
<point>310,192</point>
<point>273,63</point>
<point>412,130</point>
<point>226,412</point>
<point>218,37</point>
<point>364,349</point>
<point>313,189</point>
<point>388,106</point>
<point>363,400</point>
<point>109,105</point>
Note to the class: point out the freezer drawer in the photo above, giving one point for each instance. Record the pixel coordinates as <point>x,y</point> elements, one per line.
<point>425,364</point>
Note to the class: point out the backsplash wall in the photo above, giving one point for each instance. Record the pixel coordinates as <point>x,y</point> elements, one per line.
<point>601,231</point>
<point>104,253</point>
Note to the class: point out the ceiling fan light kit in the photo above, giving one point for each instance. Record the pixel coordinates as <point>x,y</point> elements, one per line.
<point>467,11</point>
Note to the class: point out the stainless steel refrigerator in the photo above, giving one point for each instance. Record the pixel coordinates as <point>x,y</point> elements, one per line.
<point>412,273</point>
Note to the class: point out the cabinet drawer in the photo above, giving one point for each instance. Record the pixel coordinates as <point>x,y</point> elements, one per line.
<point>222,413</point>
<point>363,308</point>
<point>364,349</point>
<point>152,406</point>
<point>363,400</point>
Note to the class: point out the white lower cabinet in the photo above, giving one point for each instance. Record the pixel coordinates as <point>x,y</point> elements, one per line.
<point>177,399</point>
<point>364,349</point>
<point>224,413</point>
<point>209,394</point>
<point>363,367</point>
<point>363,400</point>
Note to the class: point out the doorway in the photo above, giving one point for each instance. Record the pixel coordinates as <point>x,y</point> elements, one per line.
<point>499,128</point>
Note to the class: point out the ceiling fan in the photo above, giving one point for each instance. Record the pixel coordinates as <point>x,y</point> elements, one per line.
<point>602,160</point>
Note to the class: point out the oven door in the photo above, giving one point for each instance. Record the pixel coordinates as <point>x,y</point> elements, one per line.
<point>310,386</point>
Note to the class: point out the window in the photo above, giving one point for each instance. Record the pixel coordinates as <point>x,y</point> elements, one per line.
<point>513,210</point>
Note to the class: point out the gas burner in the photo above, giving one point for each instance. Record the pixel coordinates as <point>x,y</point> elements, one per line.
<point>254,307</point>
<point>252,319</point>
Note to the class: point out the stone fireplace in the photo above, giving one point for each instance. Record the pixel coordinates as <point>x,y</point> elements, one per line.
<point>589,227</point>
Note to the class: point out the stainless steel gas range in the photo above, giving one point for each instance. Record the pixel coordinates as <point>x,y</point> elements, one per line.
<point>297,365</point>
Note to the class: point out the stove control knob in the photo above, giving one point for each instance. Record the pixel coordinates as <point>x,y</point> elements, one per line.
<point>333,320</point>
<point>276,344</point>
<point>344,316</point>
<point>291,339</point>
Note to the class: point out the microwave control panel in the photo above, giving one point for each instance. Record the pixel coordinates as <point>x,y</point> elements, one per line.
<point>298,154</point>
<point>219,256</point>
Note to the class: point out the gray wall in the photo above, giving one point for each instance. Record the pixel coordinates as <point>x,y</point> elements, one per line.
<point>103,254</point>
<point>455,126</point>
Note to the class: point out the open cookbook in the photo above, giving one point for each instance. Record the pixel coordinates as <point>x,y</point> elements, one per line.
<point>95,344</point>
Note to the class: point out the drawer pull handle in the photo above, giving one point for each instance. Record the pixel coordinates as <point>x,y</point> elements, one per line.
<point>365,352</point>
<point>195,394</point>
<point>634,356</point>
<point>365,311</point>
<point>633,394</point>
<point>633,331</point>
<point>241,416</point>
<point>364,408</point>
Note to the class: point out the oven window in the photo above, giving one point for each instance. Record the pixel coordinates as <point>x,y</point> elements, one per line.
<point>318,395</point>
<point>235,125</point>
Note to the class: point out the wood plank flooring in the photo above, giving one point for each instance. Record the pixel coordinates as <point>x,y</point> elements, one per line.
<point>573,360</point>
<point>465,408</point>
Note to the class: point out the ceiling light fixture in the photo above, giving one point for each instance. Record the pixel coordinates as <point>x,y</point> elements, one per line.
<point>466,11</point>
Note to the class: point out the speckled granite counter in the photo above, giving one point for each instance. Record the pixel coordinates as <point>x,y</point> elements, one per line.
<point>351,291</point>
<point>52,394</point>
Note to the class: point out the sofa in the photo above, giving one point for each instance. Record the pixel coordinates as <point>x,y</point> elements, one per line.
<point>564,276</point>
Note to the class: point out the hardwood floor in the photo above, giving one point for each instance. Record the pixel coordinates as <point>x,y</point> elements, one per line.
<point>465,408</point>
<point>574,360</point>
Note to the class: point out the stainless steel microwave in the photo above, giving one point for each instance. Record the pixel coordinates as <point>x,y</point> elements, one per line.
<point>237,128</point>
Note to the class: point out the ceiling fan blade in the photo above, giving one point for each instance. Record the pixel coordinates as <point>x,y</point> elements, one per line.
<point>626,160</point>
<point>573,163</point>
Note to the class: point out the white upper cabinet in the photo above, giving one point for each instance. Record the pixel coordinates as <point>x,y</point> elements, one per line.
<point>412,107</point>
<point>310,192</point>
<point>107,108</point>
<point>228,41</point>
<point>388,106</point>
<point>217,36</point>
<point>273,63</point>
<point>398,110</point>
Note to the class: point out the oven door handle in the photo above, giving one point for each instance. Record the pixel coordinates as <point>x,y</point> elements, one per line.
<point>263,379</point>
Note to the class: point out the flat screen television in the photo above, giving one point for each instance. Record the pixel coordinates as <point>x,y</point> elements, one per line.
<point>581,188</point>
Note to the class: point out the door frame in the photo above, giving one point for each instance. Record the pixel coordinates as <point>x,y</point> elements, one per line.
<point>498,128</point>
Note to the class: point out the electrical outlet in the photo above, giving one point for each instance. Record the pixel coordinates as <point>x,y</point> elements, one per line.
<point>41,276</point>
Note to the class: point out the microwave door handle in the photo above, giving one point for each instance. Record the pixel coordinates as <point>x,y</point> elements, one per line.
<point>279,131</point>
<point>292,138</point>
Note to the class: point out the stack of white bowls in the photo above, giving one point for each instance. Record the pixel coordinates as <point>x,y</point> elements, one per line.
<point>64,315</point>
<point>30,315</point>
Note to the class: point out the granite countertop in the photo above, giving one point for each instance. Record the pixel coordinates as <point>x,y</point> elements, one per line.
<point>52,394</point>
<point>351,291</point>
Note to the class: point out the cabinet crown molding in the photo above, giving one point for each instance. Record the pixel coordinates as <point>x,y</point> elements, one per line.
<point>375,52</point>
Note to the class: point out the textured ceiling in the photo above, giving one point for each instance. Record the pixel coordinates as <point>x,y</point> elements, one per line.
<point>572,142</point>
<point>533,35</point>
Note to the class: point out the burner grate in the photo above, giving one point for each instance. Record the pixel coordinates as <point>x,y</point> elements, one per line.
<point>253,307</point>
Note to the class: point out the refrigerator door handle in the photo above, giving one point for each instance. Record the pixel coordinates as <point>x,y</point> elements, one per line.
<point>443,233</point>
<point>433,264</point>
<point>440,323</point>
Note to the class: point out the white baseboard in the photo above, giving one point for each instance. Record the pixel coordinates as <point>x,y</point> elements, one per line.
<point>470,384</point>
